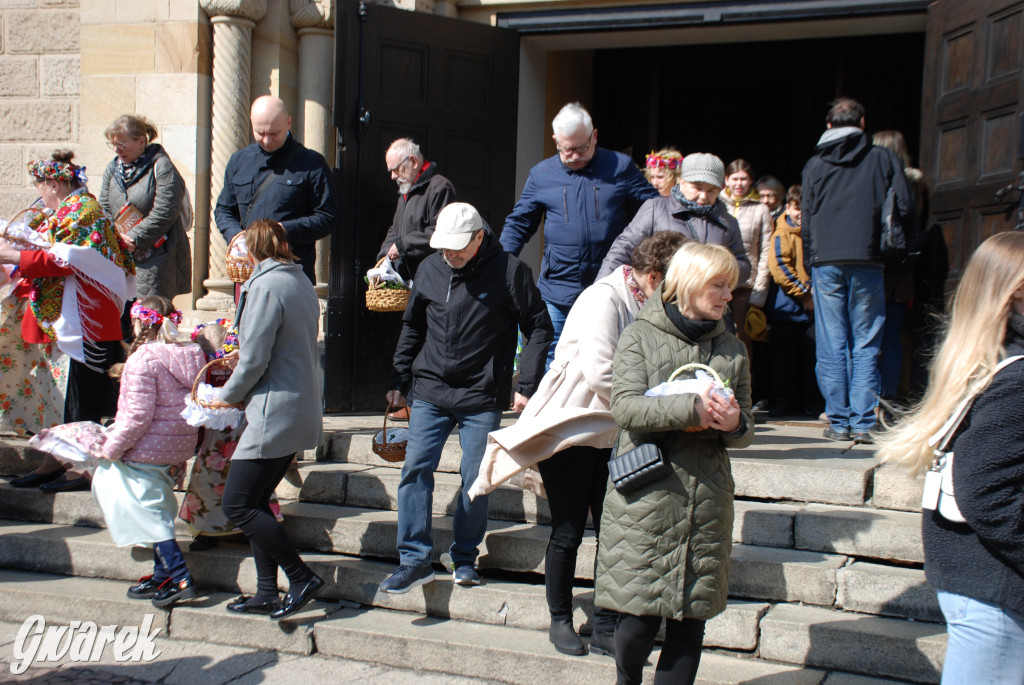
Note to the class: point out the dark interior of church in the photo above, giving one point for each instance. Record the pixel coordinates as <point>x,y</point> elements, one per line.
<point>765,102</point>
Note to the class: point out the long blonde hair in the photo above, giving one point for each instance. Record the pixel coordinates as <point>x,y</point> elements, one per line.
<point>965,362</point>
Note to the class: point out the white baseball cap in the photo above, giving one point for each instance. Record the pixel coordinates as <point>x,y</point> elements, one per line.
<point>456,225</point>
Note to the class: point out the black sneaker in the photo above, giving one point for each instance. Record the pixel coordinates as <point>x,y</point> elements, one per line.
<point>405,578</point>
<point>862,438</point>
<point>838,436</point>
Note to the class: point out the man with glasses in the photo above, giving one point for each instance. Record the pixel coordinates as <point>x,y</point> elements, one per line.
<point>422,194</point>
<point>586,195</point>
<point>277,178</point>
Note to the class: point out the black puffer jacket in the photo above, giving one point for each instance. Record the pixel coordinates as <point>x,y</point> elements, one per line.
<point>984,558</point>
<point>415,219</point>
<point>844,186</point>
<point>459,331</point>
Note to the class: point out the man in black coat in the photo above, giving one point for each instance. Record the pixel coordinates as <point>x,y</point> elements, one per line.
<point>422,194</point>
<point>844,186</point>
<point>277,178</point>
<point>459,336</point>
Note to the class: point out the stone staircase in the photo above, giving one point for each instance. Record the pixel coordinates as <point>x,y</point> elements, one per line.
<point>826,583</point>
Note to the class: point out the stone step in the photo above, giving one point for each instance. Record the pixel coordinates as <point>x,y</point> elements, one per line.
<point>784,463</point>
<point>829,639</point>
<point>91,553</point>
<point>895,488</point>
<point>487,653</point>
<point>757,573</point>
<point>860,532</point>
<point>201,661</point>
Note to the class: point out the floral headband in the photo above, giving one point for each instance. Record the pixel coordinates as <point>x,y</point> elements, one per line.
<point>656,162</point>
<point>230,343</point>
<point>52,170</point>
<point>151,317</point>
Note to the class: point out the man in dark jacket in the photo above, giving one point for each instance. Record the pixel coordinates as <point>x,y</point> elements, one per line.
<point>422,194</point>
<point>844,186</point>
<point>586,195</point>
<point>277,178</point>
<point>458,341</point>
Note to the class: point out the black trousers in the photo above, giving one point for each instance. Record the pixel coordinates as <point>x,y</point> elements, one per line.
<point>680,653</point>
<point>91,393</point>
<point>793,358</point>
<point>575,480</point>
<point>246,501</point>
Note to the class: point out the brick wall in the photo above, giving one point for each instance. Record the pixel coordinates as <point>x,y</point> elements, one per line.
<point>40,73</point>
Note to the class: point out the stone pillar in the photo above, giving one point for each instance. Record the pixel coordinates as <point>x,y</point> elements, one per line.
<point>314,20</point>
<point>233,22</point>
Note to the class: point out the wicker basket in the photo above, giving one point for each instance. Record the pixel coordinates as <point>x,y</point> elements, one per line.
<point>18,242</point>
<point>381,299</point>
<point>220,361</point>
<point>239,268</point>
<point>389,451</point>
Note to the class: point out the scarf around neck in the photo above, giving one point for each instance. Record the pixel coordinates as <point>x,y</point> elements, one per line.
<point>699,210</point>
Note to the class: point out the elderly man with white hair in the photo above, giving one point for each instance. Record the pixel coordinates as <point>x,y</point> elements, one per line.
<point>586,195</point>
<point>422,194</point>
<point>277,178</point>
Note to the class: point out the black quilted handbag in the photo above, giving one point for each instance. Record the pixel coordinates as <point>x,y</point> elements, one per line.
<point>638,467</point>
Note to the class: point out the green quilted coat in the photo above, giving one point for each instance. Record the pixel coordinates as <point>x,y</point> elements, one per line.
<point>664,549</point>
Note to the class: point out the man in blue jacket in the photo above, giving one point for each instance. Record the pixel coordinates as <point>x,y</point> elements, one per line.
<point>277,178</point>
<point>458,342</point>
<point>844,187</point>
<point>586,195</point>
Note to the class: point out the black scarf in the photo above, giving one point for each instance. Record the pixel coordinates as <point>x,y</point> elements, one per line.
<point>691,329</point>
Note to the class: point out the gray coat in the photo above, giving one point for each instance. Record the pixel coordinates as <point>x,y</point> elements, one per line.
<point>668,214</point>
<point>277,375</point>
<point>158,191</point>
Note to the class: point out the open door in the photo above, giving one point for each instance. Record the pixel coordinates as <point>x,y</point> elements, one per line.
<point>450,85</point>
<point>971,118</point>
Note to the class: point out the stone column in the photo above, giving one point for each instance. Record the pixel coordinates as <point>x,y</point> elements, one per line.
<point>233,22</point>
<point>314,21</point>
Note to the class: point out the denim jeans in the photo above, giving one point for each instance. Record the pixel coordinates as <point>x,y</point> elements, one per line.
<point>849,316</point>
<point>558,314</point>
<point>986,643</point>
<point>429,427</point>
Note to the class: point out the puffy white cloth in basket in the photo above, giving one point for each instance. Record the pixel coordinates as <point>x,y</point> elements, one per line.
<point>217,418</point>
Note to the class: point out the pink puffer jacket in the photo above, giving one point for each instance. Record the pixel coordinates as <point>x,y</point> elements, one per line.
<point>148,428</point>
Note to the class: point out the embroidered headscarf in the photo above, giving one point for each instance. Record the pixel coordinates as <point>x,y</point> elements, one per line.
<point>78,222</point>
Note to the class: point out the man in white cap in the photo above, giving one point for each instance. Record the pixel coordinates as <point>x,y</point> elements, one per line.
<point>691,209</point>
<point>458,341</point>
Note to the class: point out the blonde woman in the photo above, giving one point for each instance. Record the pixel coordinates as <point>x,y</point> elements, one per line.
<point>662,169</point>
<point>978,566</point>
<point>664,549</point>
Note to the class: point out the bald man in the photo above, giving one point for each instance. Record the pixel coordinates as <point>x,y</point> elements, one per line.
<point>277,178</point>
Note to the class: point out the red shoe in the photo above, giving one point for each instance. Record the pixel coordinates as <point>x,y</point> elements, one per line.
<point>400,414</point>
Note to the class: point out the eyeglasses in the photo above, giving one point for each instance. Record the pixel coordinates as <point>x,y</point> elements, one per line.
<point>392,170</point>
<point>117,147</point>
<point>578,150</point>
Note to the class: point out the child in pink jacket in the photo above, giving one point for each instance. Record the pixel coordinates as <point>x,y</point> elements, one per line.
<point>133,484</point>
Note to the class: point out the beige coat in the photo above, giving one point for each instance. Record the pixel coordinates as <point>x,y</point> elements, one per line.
<point>571,406</point>
<point>756,226</point>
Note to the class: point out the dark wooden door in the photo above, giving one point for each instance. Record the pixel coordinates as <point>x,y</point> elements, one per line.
<point>971,118</point>
<point>451,86</point>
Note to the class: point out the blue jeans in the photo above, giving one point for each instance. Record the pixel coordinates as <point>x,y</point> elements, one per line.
<point>429,428</point>
<point>558,313</point>
<point>849,316</point>
<point>986,644</point>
